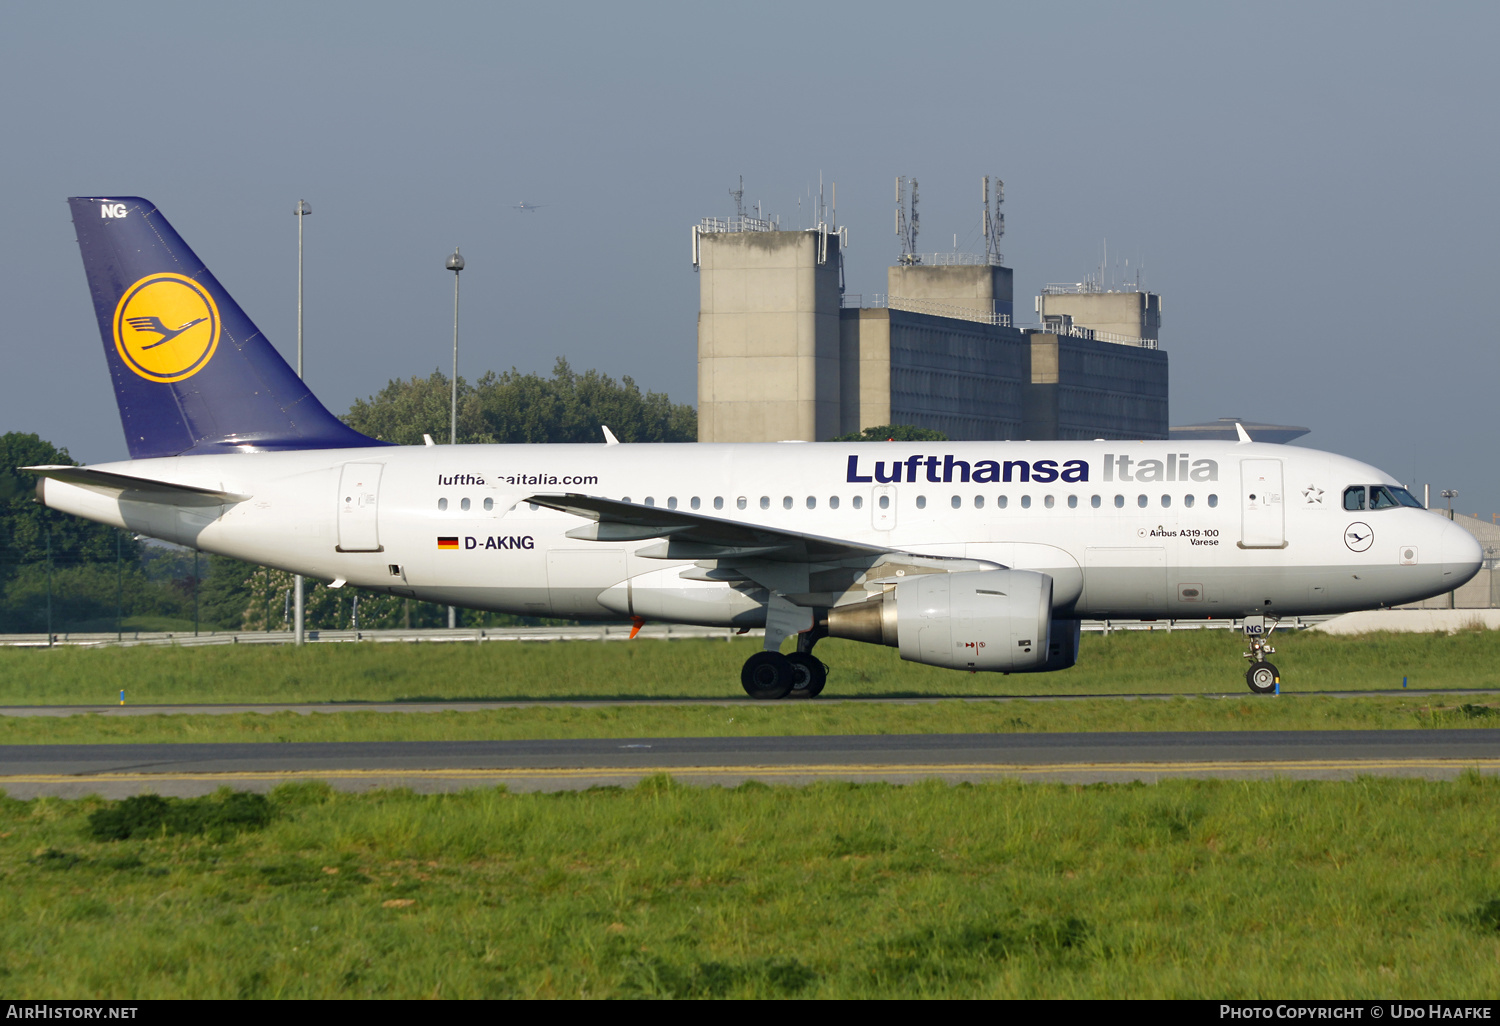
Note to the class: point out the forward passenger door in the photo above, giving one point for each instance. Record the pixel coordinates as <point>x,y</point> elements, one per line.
<point>1263,513</point>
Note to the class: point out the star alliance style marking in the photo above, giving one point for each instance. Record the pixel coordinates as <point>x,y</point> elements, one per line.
<point>1312,494</point>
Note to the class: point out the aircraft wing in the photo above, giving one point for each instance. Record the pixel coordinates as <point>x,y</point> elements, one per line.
<point>137,489</point>
<point>687,535</point>
<point>799,571</point>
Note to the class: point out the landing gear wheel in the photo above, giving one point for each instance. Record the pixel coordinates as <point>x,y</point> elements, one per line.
<point>809,674</point>
<point>767,675</point>
<point>1262,677</point>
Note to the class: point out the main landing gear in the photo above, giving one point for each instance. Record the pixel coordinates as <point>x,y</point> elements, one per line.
<point>1262,677</point>
<point>771,675</point>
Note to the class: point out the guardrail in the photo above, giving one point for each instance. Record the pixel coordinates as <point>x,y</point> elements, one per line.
<point>953,260</point>
<point>931,307</point>
<point>726,225</point>
<point>1079,331</point>
<point>581,632</point>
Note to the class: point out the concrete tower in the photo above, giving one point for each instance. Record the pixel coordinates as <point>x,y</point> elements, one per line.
<point>768,332</point>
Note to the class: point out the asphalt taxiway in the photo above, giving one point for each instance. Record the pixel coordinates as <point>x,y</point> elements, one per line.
<point>118,770</point>
<point>476,705</point>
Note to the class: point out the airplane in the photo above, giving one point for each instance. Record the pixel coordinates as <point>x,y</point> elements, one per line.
<point>979,556</point>
<point>529,207</point>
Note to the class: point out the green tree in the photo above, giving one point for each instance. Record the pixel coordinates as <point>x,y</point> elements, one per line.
<point>893,433</point>
<point>25,524</point>
<point>515,408</point>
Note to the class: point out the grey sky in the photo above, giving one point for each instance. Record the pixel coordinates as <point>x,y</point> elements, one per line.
<point>1311,186</point>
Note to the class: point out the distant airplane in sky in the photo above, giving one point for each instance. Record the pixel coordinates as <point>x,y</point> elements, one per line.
<point>529,207</point>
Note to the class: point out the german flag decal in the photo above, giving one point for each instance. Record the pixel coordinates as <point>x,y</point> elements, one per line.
<point>447,543</point>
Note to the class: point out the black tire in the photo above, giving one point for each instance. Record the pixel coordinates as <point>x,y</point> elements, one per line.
<point>1262,677</point>
<point>767,675</point>
<point>809,674</point>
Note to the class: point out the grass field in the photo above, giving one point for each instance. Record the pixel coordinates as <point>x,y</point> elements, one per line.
<point>1179,662</point>
<point>346,675</point>
<point>1362,889</point>
<point>762,719</point>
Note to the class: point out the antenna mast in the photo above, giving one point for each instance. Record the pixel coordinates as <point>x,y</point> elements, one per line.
<point>739,198</point>
<point>994,221</point>
<point>907,222</point>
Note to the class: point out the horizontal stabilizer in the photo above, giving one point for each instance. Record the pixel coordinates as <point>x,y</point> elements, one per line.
<point>138,489</point>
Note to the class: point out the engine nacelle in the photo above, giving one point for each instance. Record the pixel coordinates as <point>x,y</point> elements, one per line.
<point>1062,646</point>
<point>977,620</point>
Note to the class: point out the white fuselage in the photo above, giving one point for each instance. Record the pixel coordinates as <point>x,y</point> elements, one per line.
<point>1126,529</point>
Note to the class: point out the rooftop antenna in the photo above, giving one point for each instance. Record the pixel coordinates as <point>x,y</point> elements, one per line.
<point>739,198</point>
<point>907,222</point>
<point>994,221</point>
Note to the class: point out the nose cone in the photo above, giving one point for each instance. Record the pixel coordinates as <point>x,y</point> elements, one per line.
<point>1460,553</point>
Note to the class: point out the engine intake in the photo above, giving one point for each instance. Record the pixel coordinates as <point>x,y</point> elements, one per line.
<point>976,620</point>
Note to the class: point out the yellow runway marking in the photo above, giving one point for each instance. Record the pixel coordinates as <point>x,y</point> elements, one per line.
<point>816,770</point>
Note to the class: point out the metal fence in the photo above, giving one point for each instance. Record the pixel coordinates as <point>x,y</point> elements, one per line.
<point>931,307</point>
<point>954,259</point>
<point>577,632</point>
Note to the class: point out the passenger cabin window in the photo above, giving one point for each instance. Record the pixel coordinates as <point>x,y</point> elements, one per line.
<point>1072,502</point>
<point>1141,500</point>
<point>979,502</point>
<point>1048,501</point>
<point>786,502</point>
<point>921,502</point>
<point>719,501</point>
<point>765,502</point>
<point>1095,501</point>
<point>740,502</point>
<point>671,502</point>
<point>442,504</point>
<point>463,504</point>
<point>650,501</point>
<point>859,502</point>
<point>1166,500</point>
<point>956,502</point>
<point>695,502</point>
<point>1354,498</point>
<point>1119,502</point>
<point>812,503</point>
<point>1003,501</point>
<point>1025,502</point>
<point>833,502</point>
<point>885,502</point>
<point>1213,500</point>
<point>1187,500</point>
<point>489,504</point>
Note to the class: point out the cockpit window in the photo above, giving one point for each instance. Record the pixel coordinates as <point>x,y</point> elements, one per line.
<point>1389,497</point>
<point>1354,498</point>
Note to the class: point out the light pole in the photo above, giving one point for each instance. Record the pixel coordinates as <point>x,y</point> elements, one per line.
<point>302,209</point>
<point>456,265</point>
<point>1450,494</point>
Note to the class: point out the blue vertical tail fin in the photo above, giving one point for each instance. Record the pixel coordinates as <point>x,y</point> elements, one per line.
<point>192,373</point>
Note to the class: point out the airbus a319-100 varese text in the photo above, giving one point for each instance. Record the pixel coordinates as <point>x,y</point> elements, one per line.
<point>972,555</point>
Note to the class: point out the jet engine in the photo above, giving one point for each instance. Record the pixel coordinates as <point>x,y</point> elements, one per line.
<point>975,620</point>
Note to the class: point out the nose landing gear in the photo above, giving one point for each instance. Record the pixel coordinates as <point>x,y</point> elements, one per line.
<point>1262,677</point>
